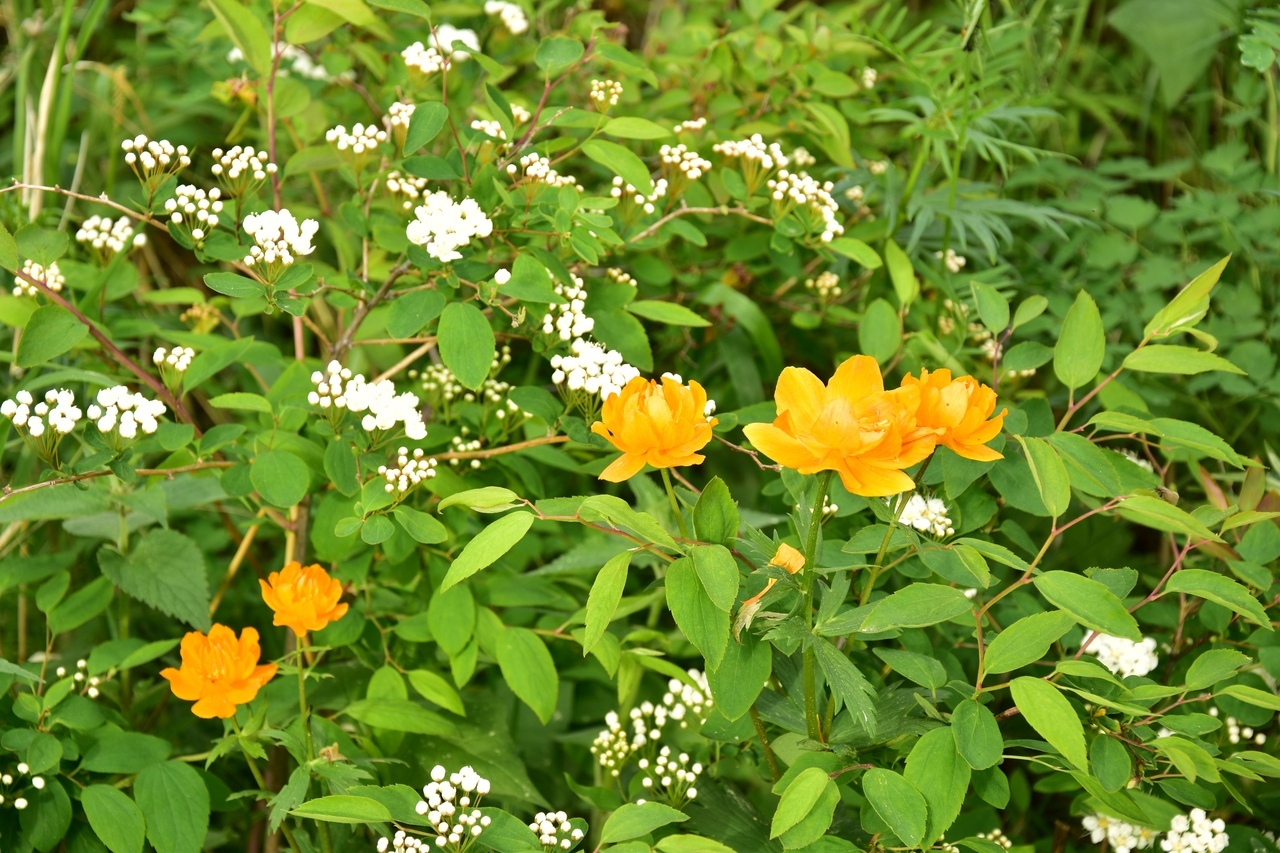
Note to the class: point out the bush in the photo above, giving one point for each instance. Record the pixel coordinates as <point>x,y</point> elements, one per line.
<point>943,522</point>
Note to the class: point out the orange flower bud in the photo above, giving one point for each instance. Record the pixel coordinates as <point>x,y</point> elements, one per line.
<point>788,559</point>
<point>851,426</point>
<point>219,671</point>
<point>958,411</point>
<point>664,425</point>
<point>303,599</point>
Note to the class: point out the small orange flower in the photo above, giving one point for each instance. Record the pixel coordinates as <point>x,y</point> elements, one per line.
<point>303,599</point>
<point>788,559</point>
<point>958,410</point>
<point>664,425</point>
<point>851,426</point>
<point>219,671</point>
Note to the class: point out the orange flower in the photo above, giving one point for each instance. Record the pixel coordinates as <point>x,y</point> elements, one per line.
<point>851,426</point>
<point>219,672</point>
<point>664,425</point>
<point>304,599</point>
<point>788,559</point>
<point>958,410</point>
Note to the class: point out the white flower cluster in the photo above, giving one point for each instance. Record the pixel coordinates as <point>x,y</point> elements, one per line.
<point>855,193</point>
<point>489,128</point>
<point>427,60</point>
<point>621,276</point>
<point>511,15</point>
<point>554,831</point>
<point>690,124</point>
<point>441,54</point>
<point>625,191</point>
<point>446,802</point>
<point>954,311</point>
<point>708,409</point>
<point>401,842</point>
<point>682,161</point>
<point>1121,836</point>
<point>566,319</point>
<point>1236,732</point>
<point>81,676</point>
<point>19,802</point>
<point>119,410</point>
<point>51,276</point>
<point>802,159</point>
<point>399,115</point>
<point>592,369</point>
<point>1195,833</point>
<point>336,389</point>
<point>444,226</point>
<point>869,78</point>
<point>279,238</point>
<point>801,190</point>
<point>996,836</point>
<point>614,745</point>
<point>57,412</point>
<point>445,37</point>
<point>405,185</point>
<point>520,114</point>
<point>675,777</point>
<point>1141,461</point>
<point>953,262</point>
<point>928,515</point>
<point>409,470</point>
<point>828,508</point>
<point>826,285</point>
<point>177,359</point>
<point>1125,657</point>
<point>535,168</point>
<point>754,151</point>
<point>196,208</point>
<point>877,167</point>
<point>107,236</point>
<point>361,139</point>
<point>240,169</point>
<point>300,63</point>
<point>152,157</point>
<point>442,390</point>
<point>461,444</point>
<point>605,93</point>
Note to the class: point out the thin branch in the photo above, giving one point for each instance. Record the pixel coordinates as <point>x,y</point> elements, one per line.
<point>343,343</point>
<point>723,210</point>
<point>102,199</point>
<point>753,454</point>
<point>7,492</point>
<point>500,451</point>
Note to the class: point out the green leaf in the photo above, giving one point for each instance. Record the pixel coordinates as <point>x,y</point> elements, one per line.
<point>715,515</point>
<point>125,752</point>
<point>799,799</point>
<point>46,819</point>
<point>690,844</point>
<point>718,573</point>
<point>1052,716</point>
<point>1180,38</point>
<point>483,499</point>
<point>993,308</point>
<point>280,477</point>
<point>175,804</point>
<point>901,273</point>
<point>42,245</point>
<point>633,821</point>
<point>44,753</point>
<point>248,33</point>
<point>917,606</point>
<point>977,735</point>
<point>602,601</point>
<point>1088,466</point>
<point>51,331</point>
<point>115,818</point>
<point>529,671</point>
<point>234,285</point>
<point>1077,357</point>
<point>242,401</point>
<point>880,332</point>
<point>937,771</point>
<point>1026,641</point>
<point>621,161</point>
<point>1222,590</point>
<point>737,681</point>
<point>898,804</point>
<point>669,313</point>
<point>1090,602</point>
<point>435,689</point>
<point>487,547</point>
<point>341,468</point>
<point>344,808</point>
<point>556,54</point>
<point>917,668</point>
<point>376,529</point>
<point>632,127</point>
<point>427,120</point>
<point>400,715</point>
<point>1213,666</point>
<point>700,619</point>
<point>847,682</point>
<point>466,342</point>
<point>1111,762</point>
<point>8,250</point>
<point>1252,695</point>
<point>1185,361</point>
<point>81,606</point>
<point>420,526</point>
<point>1050,474</point>
<point>164,570</point>
<point>1162,515</point>
<point>529,282</point>
<point>412,311</point>
<point>410,7</point>
<point>1186,309</point>
<point>856,250</point>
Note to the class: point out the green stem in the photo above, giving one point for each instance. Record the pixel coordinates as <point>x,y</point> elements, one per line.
<point>675,504</point>
<point>806,606</point>
<point>326,843</point>
<point>876,567</point>
<point>262,785</point>
<point>764,744</point>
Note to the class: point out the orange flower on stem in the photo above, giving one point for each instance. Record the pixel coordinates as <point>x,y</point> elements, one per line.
<point>960,411</point>
<point>303,599</point>
<point>663,425</point>
<point>851,426</point>
<point>219,671</point>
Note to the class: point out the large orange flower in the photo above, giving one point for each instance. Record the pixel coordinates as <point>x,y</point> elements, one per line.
<point>851,426</point>
<point>663,424</point>
<point>303,599</point>
<point>959,410</point>
<point>219,671</point>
